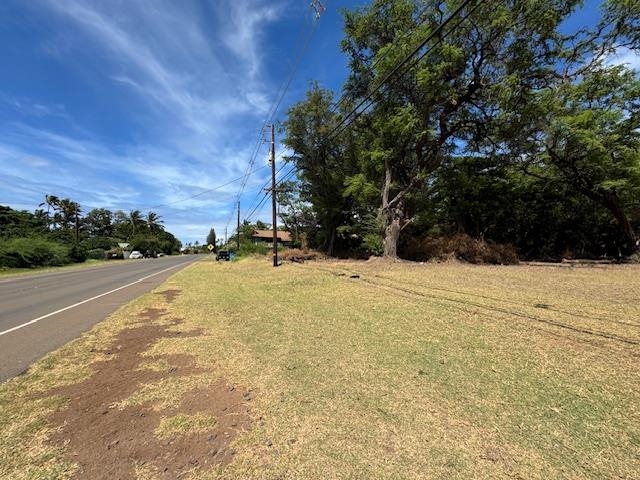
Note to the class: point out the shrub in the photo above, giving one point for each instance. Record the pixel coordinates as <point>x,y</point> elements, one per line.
<point>461,247</point>
<point>32,252</point>
<point>78,254</point>
<point>249,248</point>
<point>97,254</point>
<point>297,255</point>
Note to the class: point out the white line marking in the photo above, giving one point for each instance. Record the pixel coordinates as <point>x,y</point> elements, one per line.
<point>36,320</point>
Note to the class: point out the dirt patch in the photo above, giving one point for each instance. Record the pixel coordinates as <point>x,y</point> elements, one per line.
<point>150,314</point>
<point>109,442</point>
<point>169,295</point>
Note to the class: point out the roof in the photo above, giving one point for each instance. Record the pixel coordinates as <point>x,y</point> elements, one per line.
<point>283,235</point>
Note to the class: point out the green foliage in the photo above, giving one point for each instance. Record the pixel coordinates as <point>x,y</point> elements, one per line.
<point>372,242</point>
<point>78,254</point>
<point>20,224</point>
<point>98,242</point>
<point>211,238</point>
<point>508,129</point>
<point>250,248</point>
<point>59,234</point>
<point>96,254</point>
<point>32,252</point>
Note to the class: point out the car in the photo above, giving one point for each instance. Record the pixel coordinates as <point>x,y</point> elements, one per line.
<point>150,254</point>
<point>135,254</point>
<point>223,255</point>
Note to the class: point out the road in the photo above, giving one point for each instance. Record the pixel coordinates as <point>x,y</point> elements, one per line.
<point>39,313</point>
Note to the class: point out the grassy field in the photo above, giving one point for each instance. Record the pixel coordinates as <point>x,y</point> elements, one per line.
<point>5,271</point>
<point>360,370</point>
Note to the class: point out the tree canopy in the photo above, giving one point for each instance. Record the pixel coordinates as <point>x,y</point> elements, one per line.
<point>480,118</point>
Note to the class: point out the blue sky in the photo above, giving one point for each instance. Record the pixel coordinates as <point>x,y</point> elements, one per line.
<point>144,104</point>
<point>151,104</point>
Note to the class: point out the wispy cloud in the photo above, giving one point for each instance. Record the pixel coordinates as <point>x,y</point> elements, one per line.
<point>196,81</point>
<point>625,56</point>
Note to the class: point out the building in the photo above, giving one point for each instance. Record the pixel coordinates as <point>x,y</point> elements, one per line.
<point>266,236</point>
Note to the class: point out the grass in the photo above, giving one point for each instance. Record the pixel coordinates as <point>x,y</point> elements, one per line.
<point>184,424</point>
<point>9,272</point>
<point>405,371</point>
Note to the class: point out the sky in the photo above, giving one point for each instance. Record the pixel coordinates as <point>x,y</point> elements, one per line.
<point>153,105</point>
<point>156,105</point>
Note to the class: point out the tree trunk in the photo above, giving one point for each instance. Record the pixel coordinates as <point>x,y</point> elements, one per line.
<point>612,203</point>
<point>391,237</point>
<point>393,216</point>
<point>331,242</point>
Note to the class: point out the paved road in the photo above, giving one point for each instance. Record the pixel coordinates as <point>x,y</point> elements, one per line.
<point>39,313</point>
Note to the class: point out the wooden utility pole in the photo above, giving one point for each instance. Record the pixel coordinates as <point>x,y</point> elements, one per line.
<point>238,231</point>
<point>273,195</point>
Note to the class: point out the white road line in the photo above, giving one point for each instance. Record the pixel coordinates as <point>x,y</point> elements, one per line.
<point>36,320</point>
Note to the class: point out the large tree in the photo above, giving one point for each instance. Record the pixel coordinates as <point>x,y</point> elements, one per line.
<point>447,102</point>
<point>321,163</point>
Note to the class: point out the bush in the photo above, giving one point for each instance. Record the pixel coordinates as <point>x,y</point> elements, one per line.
<point>32,252</point>
<point>103,243</point>
<point>97,254</point>
<point>78,254</point>
<point>249,248</point>
<point>298,255</point>
<point>461,247</point>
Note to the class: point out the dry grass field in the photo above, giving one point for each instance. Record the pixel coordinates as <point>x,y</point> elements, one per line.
<point>343,370</point>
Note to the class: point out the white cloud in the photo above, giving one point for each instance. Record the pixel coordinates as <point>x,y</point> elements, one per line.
<point>199,94</point>
<point>242,35</point>
<point>625,56</point>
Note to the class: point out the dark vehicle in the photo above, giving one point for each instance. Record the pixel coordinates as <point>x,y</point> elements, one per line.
<point>223,255</point>
<point>150,254</point>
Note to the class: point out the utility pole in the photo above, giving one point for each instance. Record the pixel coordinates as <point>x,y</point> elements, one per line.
<point>273,195</point>
<point>238,235</point>
<point>225,236</point>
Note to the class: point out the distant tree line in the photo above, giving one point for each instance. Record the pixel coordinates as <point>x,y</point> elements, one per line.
<point>502,128</point>
<point>59,232</point>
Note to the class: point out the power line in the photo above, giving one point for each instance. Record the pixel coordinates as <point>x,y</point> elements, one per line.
<point>397,70</point>
<point>318,7</point>
<point>205,191</point>
<point>379,59</point>
<point>262,190</point>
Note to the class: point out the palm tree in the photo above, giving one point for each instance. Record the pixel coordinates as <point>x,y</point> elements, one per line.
<point>52,202</point>
<point>135,219</point>
<point>70,215</point>
<point>154,222</point>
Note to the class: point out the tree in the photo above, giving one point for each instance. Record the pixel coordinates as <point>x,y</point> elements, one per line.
<point>136,221</point>
<point>52,202</point>
<point>69,218</point>
<point>154,222</point>
<point>296,214</point>
<point>321,164</point>
<point>99,222</point>
<point>211,238</point>
<point>593,141</point>
<point>449,101</point>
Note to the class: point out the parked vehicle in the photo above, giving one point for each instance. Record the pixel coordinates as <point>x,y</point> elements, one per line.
<point>135,254</point>
<point>223,255</point>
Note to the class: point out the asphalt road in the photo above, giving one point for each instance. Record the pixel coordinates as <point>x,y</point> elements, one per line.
<point>39,313</point>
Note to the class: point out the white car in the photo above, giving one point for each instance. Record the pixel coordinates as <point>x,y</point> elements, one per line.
<point>135,254</point>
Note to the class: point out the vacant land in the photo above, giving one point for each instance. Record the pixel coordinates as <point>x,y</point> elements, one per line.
<point>343,370</point>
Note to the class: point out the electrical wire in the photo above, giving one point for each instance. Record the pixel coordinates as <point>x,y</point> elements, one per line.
<point>385,82</point>
<point>230,182</point>
<point>396,69</point>
<point>276,105</point>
